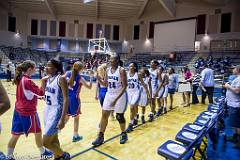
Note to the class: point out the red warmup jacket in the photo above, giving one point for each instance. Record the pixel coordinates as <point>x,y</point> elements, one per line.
<point>26,94</point>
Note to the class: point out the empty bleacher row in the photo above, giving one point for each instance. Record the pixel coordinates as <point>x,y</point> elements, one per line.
<point>182,58</point>
<point>19,54</point>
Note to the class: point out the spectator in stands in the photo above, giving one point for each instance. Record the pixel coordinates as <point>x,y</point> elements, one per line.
<point>196,78</point>
<point>187,79</point>
<point>179,58</point>
<point>210,60</point>
<point>231,78</point>
<point>233,101</point>
<point>172,85</point>
<point>9,73</point>
<point>41,70</point>
<point>207,83</point>
<point>226,61</point>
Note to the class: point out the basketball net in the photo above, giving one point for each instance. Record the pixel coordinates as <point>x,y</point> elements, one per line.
<point>100,34</point>
<point>93,52</point>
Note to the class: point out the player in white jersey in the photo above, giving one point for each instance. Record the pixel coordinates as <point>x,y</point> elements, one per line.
<point>145,94</point>
<point>162,92</point>
<point>154,74</point>
<point>134,79</point>
<point>115,99</point>
<point>56,97</point>
<point>4,106</point>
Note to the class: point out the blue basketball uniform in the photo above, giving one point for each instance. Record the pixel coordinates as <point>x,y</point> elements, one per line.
<point>101,93</point>
<point>73,95</point>
<point>25,124</point>
<point>54,106</point>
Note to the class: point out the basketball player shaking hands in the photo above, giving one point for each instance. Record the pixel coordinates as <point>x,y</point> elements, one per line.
<point>25,116</point>
<point>134,93</point>
<point>75,82</point>
<point>115,99</point>
<point>55,111</point>
<point>154,75</point>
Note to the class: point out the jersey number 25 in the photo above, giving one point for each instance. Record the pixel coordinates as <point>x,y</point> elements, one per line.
<point>48,100</point>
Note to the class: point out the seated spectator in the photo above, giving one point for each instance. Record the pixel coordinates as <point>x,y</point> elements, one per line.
<point>233,102</point>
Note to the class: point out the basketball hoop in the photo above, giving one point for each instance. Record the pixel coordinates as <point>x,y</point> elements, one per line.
<point>98,45</point>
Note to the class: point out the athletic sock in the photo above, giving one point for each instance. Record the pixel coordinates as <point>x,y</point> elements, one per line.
<point>132,121</point>
<point>41,150</point>
<point>75,134</point>
<point>101,134</point>
<point>10,152</point>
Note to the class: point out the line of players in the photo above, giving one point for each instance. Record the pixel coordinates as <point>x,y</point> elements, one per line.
<point>136,88</point>
<point>61,94</point>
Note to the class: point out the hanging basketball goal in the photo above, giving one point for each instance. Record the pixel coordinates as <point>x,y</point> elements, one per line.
<point>98,45</point>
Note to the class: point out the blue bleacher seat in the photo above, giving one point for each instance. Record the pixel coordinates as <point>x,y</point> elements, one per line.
<point>192,134</point>
<point>186,137</point>
<point>193,128</point>
<point>175,151</point>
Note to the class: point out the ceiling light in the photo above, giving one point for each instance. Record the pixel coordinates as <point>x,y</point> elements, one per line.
<point>87,1</point>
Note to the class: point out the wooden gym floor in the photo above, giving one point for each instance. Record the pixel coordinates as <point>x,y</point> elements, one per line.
<point>142,144</point>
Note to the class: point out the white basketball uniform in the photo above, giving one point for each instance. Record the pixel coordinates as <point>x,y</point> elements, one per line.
<point>154,81</point>
<point>133,89</point>
<point>163,92</point>
<point>54,105</point>
<point>143,98</point>
<point>114,89</point>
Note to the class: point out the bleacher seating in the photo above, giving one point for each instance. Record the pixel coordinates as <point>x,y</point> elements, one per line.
<point>191,137</point>
<point>18,54</point>
<point>183,58</point>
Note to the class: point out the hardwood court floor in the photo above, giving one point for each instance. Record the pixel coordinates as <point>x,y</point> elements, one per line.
<point>143,141</point>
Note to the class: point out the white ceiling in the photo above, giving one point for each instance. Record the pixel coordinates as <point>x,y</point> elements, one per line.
<point>117,9</point>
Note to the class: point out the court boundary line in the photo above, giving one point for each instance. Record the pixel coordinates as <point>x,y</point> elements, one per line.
<point>79,153</point>
<point>105,154</point>
<point>93,147</point>
<point>112,138</point>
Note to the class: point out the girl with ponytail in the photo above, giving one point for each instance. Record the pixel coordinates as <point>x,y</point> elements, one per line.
<point>75,83</point>
<point>25,117</point>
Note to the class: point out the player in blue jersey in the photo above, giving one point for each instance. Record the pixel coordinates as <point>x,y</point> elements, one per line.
<point>101,90</point>
<point>75,82</point>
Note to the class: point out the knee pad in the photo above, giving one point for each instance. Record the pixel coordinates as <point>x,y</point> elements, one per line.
<point>120,118</point>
